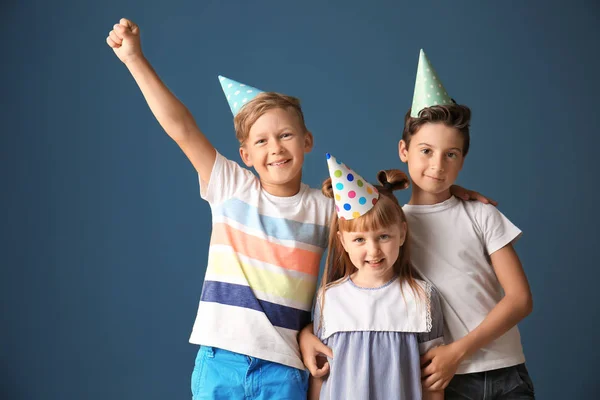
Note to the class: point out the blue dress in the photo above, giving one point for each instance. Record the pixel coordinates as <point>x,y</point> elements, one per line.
<point>377,336</point>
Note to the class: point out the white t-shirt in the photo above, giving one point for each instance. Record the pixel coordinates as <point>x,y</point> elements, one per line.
<point>263,265</point>
<point>451,243</point>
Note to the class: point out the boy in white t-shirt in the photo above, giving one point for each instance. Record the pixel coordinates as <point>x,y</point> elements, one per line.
<point>464,249</point>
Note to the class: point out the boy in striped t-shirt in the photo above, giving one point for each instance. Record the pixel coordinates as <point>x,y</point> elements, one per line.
<point>269,233</point>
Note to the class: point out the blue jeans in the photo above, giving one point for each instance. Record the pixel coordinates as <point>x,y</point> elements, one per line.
<point>222,374</point>
<point>511,383</point>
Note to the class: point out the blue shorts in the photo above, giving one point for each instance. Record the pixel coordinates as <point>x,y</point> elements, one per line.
<point>222,374</point>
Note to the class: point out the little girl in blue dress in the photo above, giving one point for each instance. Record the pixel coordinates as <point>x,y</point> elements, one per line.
<point>371,310</point>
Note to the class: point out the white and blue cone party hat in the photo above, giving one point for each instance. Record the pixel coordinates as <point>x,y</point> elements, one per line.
<point>237,93</point>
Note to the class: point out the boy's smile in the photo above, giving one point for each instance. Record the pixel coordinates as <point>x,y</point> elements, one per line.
<point>275,147</point>
<point>434,159</point>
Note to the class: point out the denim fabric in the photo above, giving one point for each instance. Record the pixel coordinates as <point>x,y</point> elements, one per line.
<point>221,374</point>
<point>511,383</point>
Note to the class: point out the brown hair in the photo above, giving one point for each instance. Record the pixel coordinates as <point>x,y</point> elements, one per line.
<point>386,212</point>
<point>258,106</point>
<point>453,115</point>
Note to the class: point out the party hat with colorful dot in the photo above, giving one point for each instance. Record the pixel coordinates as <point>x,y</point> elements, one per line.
<point>237,93</point>
<point>429,90</point>
<point>354,196</point>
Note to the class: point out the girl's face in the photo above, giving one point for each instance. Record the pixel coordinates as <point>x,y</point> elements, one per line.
<point>374,253</point>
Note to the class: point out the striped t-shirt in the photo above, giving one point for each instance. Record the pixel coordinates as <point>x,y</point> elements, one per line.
<point>263,265</point>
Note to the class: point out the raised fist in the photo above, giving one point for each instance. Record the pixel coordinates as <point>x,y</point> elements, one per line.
<point>124,39</point>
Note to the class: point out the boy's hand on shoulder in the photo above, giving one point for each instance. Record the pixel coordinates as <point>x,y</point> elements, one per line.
<point>472,195</point>
<point>125,41</point>
<point>439,366</point>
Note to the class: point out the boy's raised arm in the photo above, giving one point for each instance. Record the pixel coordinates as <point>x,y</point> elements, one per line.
<point>171,113</point>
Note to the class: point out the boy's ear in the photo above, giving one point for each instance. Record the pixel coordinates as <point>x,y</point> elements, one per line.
<point>245,156</point>
<point>403,150</point>
<point>308,142</point>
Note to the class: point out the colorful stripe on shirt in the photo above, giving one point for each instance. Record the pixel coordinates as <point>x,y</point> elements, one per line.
<point>278,228</point>
<point>242,296</point>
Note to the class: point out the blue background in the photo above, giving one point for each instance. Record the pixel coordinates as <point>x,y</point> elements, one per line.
<point>104,235</point>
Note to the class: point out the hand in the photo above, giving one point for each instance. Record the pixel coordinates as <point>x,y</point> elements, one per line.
<point>439,366</point>
<point>125,40</point>
<point>312,348</point>
<point>467,195</point>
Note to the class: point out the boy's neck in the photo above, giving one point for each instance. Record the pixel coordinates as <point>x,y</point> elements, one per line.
<point>419,197</point>
<point>286,190</point>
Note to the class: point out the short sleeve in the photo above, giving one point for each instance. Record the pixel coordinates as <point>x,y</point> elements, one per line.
<point>498,231</point>
<point>435,337</point>
<point>226,178</point>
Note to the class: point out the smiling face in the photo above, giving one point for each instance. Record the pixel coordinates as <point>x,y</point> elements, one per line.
<point>374,253</point>
<point>275,147</point>
<point>434,158</point>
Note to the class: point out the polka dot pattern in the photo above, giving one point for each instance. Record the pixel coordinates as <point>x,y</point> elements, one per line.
<point>354,196</point>
<point>429,90</point>
<point>237,93</point>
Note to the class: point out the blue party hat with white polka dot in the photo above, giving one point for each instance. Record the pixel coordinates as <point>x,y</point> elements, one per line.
<point>354,196</point>
<point>237,93</point>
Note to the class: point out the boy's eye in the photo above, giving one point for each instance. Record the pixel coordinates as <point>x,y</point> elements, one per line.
<point>425,151</point>
<point>260,141</point>
<point>285,135</point>
<point>452,155</point>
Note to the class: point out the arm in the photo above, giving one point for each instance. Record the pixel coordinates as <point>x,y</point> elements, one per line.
<point>314,387</point>
<point>171,114</point>
<point>516,305</point>
<point>466,195</point>
<point>311,347</point>
<point>432,339</point>
<point>429,395</point>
